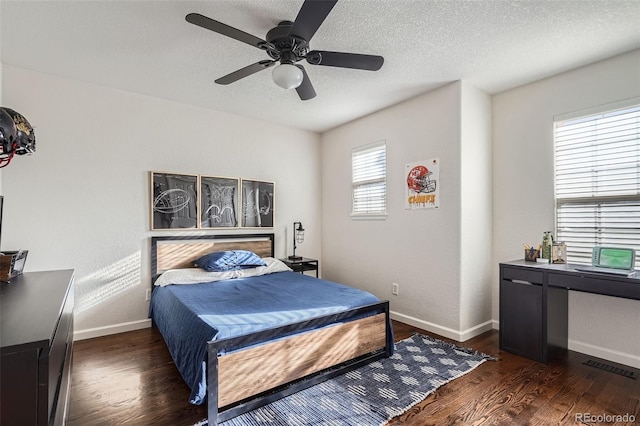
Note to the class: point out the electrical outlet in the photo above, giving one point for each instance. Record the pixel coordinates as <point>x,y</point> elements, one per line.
<point>395,289</point>
<point>148,295</point>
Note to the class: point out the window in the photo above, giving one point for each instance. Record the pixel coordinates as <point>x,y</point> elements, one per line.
<point>369,180</point>
<point>597,180</point>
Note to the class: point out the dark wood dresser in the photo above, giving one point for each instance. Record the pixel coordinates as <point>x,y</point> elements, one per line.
<point>36,345</point>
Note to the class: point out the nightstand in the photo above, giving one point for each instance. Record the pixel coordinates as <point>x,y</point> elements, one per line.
<point>301,265</point>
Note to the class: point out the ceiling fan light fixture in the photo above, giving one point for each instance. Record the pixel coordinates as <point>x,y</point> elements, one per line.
<point>287,76</point>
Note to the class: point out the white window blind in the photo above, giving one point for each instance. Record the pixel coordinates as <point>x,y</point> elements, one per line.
<point>369,179</point>
<point>597,182</point>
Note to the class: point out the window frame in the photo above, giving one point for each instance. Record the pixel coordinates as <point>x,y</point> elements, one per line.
<point>605,206</point>
<point>363,149</point>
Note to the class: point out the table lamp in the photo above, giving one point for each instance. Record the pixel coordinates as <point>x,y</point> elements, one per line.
<point>298,238</point>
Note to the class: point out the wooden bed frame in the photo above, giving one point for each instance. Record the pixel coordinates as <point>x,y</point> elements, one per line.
<point>247,372</point>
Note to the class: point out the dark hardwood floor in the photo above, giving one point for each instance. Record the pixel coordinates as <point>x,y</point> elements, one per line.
<point>130,379</point>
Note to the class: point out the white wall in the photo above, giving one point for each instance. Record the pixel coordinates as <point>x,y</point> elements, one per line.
<point>418,249</point>
<point>476,211</point>
<point>82,200</point>
<point>523,203</point>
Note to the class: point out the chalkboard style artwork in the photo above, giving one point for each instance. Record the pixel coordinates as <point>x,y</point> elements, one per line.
<point>219,197</point>
<point>174,202</point>
<point>257,204</point>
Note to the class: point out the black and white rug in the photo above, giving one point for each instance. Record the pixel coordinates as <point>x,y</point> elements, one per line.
<point>372,394</point>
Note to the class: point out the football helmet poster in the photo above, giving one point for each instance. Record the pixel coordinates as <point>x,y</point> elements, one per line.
<point>421,190</point>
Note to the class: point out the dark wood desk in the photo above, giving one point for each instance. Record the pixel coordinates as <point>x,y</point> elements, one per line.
<point>534,304</point>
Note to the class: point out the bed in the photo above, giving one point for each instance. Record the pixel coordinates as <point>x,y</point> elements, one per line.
<point>263,334</point>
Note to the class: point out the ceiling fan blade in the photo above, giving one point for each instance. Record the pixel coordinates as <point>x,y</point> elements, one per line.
<point>245,72</point>
<point>226,30</point>
<point>311,15</point>
<point>345,60</point>
<point>305,90</point>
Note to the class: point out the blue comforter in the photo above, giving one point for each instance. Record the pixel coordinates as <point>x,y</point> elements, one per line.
<point>190,315</point>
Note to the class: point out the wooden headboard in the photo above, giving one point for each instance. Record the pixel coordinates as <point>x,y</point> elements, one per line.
<point>172,252</point>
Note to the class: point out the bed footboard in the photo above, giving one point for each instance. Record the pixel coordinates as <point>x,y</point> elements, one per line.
<point>247,372</point>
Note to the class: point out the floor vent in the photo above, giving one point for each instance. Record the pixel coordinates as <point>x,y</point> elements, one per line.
<point>612,369</point>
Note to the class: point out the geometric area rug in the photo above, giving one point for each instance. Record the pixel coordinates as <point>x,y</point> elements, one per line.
<point>372,394</point>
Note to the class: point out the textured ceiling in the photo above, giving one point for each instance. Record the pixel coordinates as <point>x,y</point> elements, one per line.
<point>147,47</point>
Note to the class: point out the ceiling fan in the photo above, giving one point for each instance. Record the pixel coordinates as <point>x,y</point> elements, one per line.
<point>288,43</point>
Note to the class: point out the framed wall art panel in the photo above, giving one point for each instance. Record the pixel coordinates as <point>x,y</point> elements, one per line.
<point>219,202</point>
<point>174,201</point>
<point>257,204</point>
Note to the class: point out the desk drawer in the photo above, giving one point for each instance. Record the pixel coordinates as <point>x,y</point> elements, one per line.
<point>607,285</point>
<point>522,274</point>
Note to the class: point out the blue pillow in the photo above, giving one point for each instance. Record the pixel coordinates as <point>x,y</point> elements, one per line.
<point>229,260</point>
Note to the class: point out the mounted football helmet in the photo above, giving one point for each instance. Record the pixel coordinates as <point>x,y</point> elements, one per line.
<point>25,137</point>
<point>8,133</point>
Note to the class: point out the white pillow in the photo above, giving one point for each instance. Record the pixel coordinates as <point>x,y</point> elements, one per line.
<point>273,265</point>
<point>198,275</point>
<point>192,276</point>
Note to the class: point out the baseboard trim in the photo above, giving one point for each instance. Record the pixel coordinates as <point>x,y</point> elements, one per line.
<point>90,333</point>
<point>476,330</point>
<point>457,335</point>
<point>599,352</point>
<point>604,353</point>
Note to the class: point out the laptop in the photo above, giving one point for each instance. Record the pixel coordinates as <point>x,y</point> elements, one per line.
<point>611,260</point>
